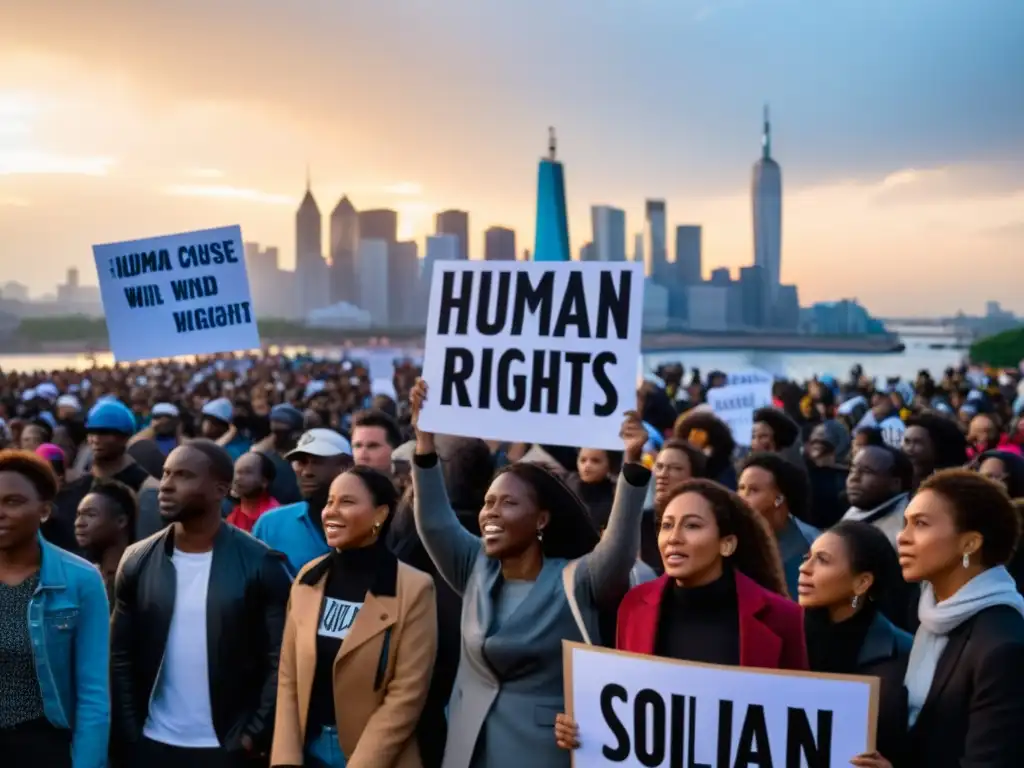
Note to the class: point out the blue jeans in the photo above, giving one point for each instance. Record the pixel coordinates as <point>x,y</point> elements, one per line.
<point>324,751</point>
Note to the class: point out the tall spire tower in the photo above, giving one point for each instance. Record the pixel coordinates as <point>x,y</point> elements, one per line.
<point>766,136</point>
<point>766,202</point>
<point>552,229</point>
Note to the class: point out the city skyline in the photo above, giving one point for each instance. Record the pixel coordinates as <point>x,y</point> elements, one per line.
<point>898,129</point>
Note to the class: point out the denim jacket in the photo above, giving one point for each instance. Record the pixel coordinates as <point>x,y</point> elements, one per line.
<point>69,624</point>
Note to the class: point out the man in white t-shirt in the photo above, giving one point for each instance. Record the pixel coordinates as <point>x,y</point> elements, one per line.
<point>196,629</point>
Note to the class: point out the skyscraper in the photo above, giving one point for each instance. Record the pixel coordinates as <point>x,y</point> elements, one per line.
<point>500,244</point>
<point>588,252</point>
<point>766,199</point>
<point>372,274</point>
<point>688,267</point>
<point>439,248</point>
<point>552,229</point>
<point>454,223</point>
<point>378,224</point>
<point>609,233</point>
<point>404,284</point>
<point>344,234</point>
<point>654,234</point>
<point>312,290</point>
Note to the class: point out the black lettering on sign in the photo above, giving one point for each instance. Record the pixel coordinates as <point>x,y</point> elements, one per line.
<point>139,296</point>
<point>649,752</point>
<point>545,383</point>
<point>458,367</point>
<point>622,749</point>
<point>802,746</point>
<point>452,303</point>
<point>217,316</point>
<point>537,299</point>
<point>753,747</point>
<point>724,732</point>
<point>534,297</point>
<point>194,288</point>
<point>485,326</point>
<point>511,389</point>
<point>537,389</point>
<point>337,618</point>
<point>135,264</point>
<point>207,254</point>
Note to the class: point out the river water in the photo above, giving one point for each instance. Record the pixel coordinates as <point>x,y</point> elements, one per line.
<point>919,354</point>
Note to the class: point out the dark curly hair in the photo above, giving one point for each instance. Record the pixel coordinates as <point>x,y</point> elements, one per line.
<point>791,480</point>
<point>698,461</point>
<point>784,429</point>
<point>120,495</point>
<point>870,551</point>
<point>719,438</point>
<point>34,469</point>
<point>981,505</point>
<point>757,553</point>
<point>949,443</point>
<point>570,533</point>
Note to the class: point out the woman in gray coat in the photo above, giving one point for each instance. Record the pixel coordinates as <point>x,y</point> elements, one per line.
<point>536,576</point>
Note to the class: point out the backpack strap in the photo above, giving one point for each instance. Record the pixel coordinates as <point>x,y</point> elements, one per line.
<point>568,583</point>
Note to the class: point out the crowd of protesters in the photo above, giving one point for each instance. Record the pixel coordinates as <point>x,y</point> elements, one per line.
<point>263,561</point>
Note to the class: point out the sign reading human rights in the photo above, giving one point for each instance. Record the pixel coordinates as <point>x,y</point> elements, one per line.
<point>635,711</point>
<point>185,294</point>
<point>540,352</point>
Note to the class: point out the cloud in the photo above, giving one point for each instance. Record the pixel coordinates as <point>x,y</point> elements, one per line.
<point>1014,230</point>
<point>14,202</point>
<point>31,162</point>
<point>228,192</point>
<point>952,182</point>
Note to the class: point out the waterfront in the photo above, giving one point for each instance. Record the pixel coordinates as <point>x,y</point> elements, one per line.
<point>919,354</point>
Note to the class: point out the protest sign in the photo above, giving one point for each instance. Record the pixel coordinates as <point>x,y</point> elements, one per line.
<point>185,294</point>
<point>635,710</point>
<point>735,403</point>
<point>536,352</point>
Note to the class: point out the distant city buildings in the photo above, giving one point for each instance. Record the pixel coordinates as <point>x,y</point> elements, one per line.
<point>454,223</point>
<point>608,227</point>
<point>766,200</point>
<point>344,240</point>
<point>500,244</point>
<point>654,242</point>
<point>312,285</point>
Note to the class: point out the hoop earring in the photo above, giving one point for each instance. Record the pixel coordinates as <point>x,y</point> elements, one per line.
<point>855,602</point>
<point>967,560</point>
<point>376,529</point>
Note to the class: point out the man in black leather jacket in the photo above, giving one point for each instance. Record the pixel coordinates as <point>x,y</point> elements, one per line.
<point>199,612</point>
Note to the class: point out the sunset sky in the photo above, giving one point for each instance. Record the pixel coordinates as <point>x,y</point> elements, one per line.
<point>899,127</point>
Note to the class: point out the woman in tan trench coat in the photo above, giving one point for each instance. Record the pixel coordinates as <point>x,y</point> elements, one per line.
<point>359,642</point>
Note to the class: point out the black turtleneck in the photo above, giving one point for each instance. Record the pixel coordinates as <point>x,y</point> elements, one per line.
<point>597,497</point>
<point>700,623</point>
<point>835,647</point>
<point>348,580</point>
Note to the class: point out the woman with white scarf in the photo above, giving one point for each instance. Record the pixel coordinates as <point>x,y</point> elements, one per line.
<point>965,677</point>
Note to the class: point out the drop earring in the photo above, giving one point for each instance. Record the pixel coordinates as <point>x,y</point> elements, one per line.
<point>967,560</point>
<point>855,602</point>
<point>540,534</point>
<point>376,529</point>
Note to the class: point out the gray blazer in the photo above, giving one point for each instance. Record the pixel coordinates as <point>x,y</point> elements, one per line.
<point>509,686</point>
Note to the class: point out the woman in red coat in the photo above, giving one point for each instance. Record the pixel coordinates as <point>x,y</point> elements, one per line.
<point>723,597</point>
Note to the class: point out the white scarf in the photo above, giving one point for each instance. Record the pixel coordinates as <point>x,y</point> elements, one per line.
<point>986,590</point>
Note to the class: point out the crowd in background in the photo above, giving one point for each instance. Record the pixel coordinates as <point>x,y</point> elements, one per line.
<point>376,596</point>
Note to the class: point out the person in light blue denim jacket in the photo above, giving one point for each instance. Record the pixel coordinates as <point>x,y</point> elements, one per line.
<point>54,633</point>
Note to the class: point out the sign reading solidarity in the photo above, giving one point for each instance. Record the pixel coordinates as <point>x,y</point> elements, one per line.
<point>735,403</point>
<point>638,711</point>
<point>184,294</point>
<point>541,352</point>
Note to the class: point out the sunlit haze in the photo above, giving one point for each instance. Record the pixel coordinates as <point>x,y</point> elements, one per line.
<point>899,127</point>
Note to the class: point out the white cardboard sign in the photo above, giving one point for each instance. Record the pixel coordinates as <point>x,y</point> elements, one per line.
<point>735,403</point>
<point>635,711</point>
<point>185,294</point>
<point>535,352</point>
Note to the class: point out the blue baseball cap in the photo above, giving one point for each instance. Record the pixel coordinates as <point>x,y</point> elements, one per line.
<point>110,416</point>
